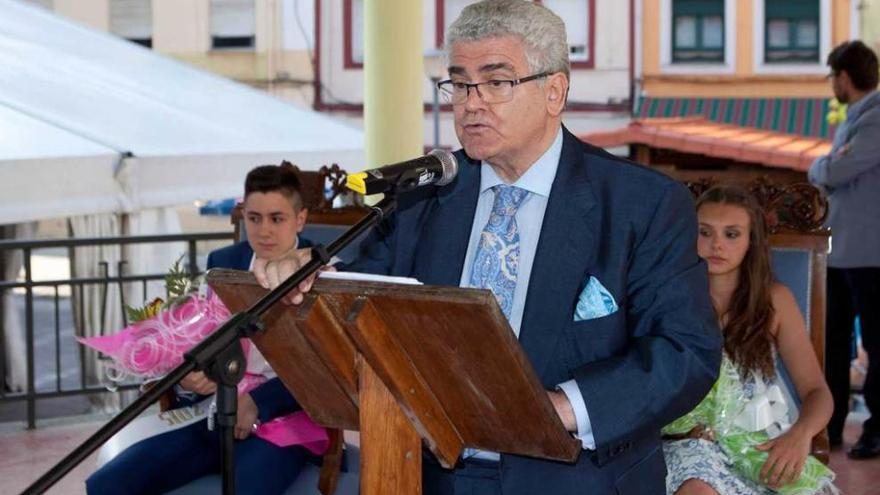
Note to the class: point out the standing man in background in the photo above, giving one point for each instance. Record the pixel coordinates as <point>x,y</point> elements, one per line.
<point>850,174</point>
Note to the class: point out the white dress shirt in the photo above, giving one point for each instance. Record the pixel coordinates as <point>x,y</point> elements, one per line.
<point>538,180</point>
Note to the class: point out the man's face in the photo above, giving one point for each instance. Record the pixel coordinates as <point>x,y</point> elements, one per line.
<point>501,133</point>
<point>272,223</point>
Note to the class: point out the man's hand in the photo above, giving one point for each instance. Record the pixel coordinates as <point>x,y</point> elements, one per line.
<point>246,421</point>
<point>842,151</point>
<point>199,383</point>
<point>563,410</point>
<point>270,273</point>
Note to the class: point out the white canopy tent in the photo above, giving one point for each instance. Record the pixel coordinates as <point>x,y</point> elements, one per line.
<point>92,126</point>
<point>90,123</point>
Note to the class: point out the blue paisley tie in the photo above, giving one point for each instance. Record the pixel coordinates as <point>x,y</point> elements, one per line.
<point>497,257</point>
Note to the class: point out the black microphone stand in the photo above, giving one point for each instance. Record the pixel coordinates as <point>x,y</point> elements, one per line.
<point>221,357</point>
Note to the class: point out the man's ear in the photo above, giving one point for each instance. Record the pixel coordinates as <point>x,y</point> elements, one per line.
<point>302,217</point>
<point>845,80</point>
<point>556,89</point>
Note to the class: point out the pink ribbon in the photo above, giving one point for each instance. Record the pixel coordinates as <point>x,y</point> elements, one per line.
<point>295,429</point>
<point>284,431</point>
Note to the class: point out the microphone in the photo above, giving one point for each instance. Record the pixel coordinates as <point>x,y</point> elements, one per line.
<point>437,167</point>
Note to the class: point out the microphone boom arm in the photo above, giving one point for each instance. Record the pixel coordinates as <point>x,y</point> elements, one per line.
<point>212,349</point>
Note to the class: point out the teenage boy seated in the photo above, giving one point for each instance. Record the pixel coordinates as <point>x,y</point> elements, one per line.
<point>274,217</point>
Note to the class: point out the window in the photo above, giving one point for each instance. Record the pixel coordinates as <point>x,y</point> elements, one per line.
<point>46,4</point>
<point>576,14</point>
<point>353,35</point>
<point>578,22</point>
<point>354,45</point>
<point>232,24</point>
<point>698,31</point>
<point>791,31</point>
<point>132,20</point>
<point>451,10</point>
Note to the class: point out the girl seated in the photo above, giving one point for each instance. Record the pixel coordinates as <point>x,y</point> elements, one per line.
<point>747,437</point>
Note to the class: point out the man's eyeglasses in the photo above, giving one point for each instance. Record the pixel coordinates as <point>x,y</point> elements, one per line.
<point>492,91</point>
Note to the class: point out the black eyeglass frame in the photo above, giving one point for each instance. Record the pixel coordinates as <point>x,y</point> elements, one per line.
<point>513,83</point>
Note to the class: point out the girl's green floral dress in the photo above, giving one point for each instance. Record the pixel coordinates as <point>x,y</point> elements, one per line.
<point>742,412</point>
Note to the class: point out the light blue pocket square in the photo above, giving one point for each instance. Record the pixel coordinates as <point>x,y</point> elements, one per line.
<point>594,302</point>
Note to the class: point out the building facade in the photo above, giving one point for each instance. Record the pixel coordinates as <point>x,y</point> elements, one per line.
<point>311,51</point>
<point>754,63</point>
<point>869,25</point>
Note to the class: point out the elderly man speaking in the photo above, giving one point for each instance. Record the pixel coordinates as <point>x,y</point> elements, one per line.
<point>592,259</point>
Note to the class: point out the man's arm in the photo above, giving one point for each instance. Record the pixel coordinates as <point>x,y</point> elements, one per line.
<point>817,171</point>
<point>857,156</point>
<point>572,410</point>
<point>375,250</point>
<point>675,345</point>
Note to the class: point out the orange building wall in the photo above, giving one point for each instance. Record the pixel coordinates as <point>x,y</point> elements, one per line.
<point>744,82</point>
<point>744,24</point>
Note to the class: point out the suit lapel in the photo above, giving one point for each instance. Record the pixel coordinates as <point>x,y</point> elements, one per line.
<point>566,250</point>
<point>441,259</point>
<point>245,255</point>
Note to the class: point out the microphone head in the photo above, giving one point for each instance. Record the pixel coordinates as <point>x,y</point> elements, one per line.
<point>449,163</point>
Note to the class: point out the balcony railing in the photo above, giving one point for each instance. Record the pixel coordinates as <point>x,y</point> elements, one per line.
<point>68,312</point>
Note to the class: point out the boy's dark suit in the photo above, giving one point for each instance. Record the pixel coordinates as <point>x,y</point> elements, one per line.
<point>272,398</point>
<point>170,460</point>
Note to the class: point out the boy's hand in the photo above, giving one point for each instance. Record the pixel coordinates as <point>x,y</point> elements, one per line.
<point>199,383</point>
<point>271,273</point>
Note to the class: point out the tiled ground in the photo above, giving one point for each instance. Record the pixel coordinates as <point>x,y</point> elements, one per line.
<point>25,455</point>
<point>855,477</point>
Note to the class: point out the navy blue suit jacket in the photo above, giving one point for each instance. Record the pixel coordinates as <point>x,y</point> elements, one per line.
<point>639,368</point>
<point>272,397</point>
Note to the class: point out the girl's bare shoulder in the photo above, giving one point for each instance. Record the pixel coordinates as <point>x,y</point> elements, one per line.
<point>785,307</point>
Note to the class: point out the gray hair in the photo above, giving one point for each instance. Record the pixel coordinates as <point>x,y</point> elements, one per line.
<point>541,31</point>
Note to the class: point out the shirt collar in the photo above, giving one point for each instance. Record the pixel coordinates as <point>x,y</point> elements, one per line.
<point>855,110</point>
<point>538,179</point>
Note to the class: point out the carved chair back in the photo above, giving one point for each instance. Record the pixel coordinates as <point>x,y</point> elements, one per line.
<point>320,190</point>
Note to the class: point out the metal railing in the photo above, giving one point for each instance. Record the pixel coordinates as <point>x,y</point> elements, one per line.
<point>50,290</point>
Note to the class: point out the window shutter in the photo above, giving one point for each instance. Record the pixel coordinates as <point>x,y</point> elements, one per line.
<point>357,30</point>
<point>698,7</point>
<point>233,18</point>
<point>576,15</point>
<point>792,9</point>
<point>452,9</point>
<point>131,19</point>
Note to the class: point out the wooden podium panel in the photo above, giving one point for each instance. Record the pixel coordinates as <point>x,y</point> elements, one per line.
<point>446,356</point>
<point>322,378</point>
<point>463,354</point>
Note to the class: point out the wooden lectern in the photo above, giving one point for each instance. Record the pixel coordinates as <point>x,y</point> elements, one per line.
<point>405,364</point>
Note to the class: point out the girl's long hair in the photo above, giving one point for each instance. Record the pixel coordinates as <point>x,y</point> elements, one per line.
<point>747,337</point>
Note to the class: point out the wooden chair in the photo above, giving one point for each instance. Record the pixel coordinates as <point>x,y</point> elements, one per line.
<point>316,200</point>
<point>799,243</point>
<point>325,223</point>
